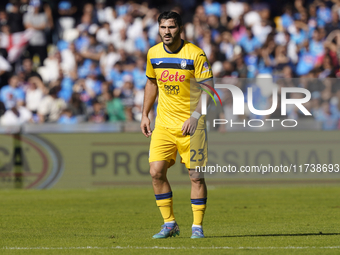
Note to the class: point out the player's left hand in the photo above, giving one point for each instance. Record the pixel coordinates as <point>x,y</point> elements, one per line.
<point>189,126</point>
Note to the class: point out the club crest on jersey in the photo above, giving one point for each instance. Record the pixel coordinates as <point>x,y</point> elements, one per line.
<point>183,64</point>
<point>205,65</point>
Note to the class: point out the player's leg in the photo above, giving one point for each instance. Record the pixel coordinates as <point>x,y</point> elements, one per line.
<point>162,189</point>
<point>194,153</point>
<point>162,156</point>
<point>198,202</point>
<point>163,194</point>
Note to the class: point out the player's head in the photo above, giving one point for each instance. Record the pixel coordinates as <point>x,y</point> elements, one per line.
<point>170,27</point>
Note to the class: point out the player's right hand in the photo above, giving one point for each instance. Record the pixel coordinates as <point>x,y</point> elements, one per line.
<point>145,126</point>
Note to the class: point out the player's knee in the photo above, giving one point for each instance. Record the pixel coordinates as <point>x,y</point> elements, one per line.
<point>197,181</point>
<point>156,173</point>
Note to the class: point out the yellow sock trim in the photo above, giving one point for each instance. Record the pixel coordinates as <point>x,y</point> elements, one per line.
<point>166,208</point>
<point>198,213</point>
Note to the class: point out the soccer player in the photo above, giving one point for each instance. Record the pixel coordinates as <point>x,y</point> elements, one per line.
<point>171,65</point>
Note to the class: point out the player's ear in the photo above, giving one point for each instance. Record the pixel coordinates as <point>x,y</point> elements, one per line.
<point>181,28</point>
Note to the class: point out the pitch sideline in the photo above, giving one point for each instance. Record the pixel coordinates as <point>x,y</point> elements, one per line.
<point>168,248</point>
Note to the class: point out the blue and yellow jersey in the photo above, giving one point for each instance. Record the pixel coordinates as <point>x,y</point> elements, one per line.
<point>173,72</point>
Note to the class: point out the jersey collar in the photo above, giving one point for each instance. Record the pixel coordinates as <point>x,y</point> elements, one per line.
<point>176,51</point>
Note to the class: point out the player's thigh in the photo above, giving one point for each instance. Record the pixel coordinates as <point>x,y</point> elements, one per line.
<point>194,149</point>
<point>162,146</point>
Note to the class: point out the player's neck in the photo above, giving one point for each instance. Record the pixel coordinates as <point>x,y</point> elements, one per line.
<point>175,47</point>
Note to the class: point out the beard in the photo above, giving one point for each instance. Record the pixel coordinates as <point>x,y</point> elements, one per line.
<point>172,40</point>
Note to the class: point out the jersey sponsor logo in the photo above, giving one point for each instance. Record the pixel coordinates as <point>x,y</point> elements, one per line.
<point>166,76</point>
<point>159,62</point>
<point>171,89</point>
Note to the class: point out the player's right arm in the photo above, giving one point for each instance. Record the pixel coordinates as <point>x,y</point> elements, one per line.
<point>150,94</point>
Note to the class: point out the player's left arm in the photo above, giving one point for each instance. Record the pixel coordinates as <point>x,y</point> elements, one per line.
<point>190,125</point>
<point>203,76</point>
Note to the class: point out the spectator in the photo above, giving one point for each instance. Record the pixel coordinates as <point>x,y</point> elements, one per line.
<point>121,8</point>
<point>98,115</point>
<point>126,94</point>
<point>67,117</point>
<point>39,21</point>
<point>334,24</point>
<point>138,74</point>
<point>34,94</point>
<point>101,12</point>
<point>238,30</point>
<point>92,83</point>
<point>121,41</point>
<point>16,116</point>
<point>212,8</point>
<point>86,95</point>
<point>316,44</point>
<point>76,105</point>
<point>66,20</point>
<point>3,19</point>
<point>51,106</point>
<point>12,95</point>
<point>287,18</point>
<point>327,69</point>
<point>306,62</point>
<point>234,9</point>
<point>261,31</point>
<point>281,59</point>
<point>116,75</point>
<point>104,34</point>
<point>142,43</point>
<point>114,108</point>
<point>68,61</point>
<point>94,50</point>
<point>15,18</point>
<point>27,68</point>
<point>227,45</point>
<point>323,14</point>
<point>329,117</point>
<point>249,42</point>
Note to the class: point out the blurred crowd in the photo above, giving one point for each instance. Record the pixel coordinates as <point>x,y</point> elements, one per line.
<point>65,62</point>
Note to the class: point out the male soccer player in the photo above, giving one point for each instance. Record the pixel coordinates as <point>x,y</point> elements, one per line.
<point>171,65</point>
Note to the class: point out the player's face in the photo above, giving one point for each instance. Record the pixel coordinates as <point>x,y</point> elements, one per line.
<point>169,32</point>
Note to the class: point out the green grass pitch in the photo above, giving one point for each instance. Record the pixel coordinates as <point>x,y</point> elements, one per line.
<point>256,219</point>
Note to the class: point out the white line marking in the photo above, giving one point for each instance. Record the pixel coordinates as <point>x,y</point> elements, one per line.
<point>167,248</point>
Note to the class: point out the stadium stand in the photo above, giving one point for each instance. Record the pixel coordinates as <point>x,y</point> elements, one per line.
<point>69,62</point>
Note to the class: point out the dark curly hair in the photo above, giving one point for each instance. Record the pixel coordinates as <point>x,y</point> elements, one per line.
<point>171,15</point>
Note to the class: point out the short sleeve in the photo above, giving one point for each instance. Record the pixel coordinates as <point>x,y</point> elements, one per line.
<point>202,67</point>
<point>150,72</point>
